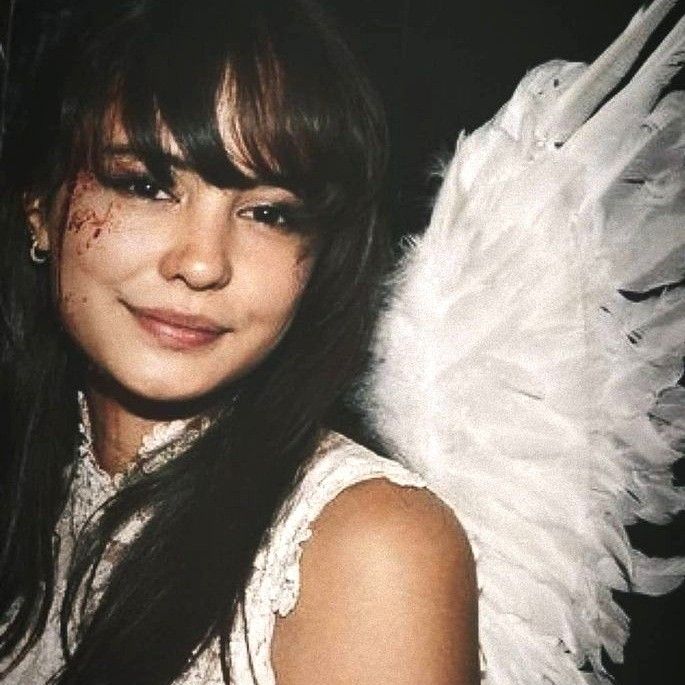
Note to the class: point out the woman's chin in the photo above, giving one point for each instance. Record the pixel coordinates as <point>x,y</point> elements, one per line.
<point>156,396</point>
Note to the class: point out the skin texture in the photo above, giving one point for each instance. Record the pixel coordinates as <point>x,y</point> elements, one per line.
<point>388,595</point>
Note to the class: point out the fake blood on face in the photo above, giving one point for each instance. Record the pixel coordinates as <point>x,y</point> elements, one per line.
<point>85,218</point>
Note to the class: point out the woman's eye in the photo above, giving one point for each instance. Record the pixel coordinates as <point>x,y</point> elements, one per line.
<point>148,189</point>
<point>139,186</point>
<point>272,215</point>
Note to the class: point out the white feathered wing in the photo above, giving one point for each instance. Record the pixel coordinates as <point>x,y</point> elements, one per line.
<point>516,371</point>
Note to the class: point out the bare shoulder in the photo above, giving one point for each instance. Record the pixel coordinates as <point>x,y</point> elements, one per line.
<point>388,594</point>
<point>378,522</point>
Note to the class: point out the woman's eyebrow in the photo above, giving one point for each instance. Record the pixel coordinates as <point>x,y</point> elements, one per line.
<point>123,150</point>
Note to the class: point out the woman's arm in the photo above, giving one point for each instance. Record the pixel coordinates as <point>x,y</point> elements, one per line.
<point>388,595</point>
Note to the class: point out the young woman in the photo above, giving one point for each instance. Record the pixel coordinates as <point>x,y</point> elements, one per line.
<point>191,247</point>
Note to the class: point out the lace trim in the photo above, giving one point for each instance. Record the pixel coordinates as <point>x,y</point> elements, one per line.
<point>165,441</point>
<point>93,486</point>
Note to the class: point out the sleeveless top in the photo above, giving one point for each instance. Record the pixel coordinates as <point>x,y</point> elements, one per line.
<point>274,584</point>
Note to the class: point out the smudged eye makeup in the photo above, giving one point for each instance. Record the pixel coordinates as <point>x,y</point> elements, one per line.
<point>139,185</point>
<point>272,214</point>
<point>127,175</point>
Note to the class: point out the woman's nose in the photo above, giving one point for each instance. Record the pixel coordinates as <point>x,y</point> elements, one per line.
<point>199,253</point>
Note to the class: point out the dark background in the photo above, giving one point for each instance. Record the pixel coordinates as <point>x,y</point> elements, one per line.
<point>446,66</point>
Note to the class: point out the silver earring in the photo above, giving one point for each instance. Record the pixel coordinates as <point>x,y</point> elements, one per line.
<point>37,255</point>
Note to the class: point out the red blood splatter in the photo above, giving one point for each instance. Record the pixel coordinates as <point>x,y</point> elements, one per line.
<point>82,217</point>
<point>89,218</point>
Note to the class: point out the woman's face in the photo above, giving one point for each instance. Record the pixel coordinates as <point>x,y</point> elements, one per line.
<point>174,292</point>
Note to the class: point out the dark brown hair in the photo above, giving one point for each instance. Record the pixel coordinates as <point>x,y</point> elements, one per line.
<point>304,118</point>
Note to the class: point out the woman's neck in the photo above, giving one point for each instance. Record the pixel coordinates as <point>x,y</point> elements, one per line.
<point>117,432</point>
<point>122,424</point>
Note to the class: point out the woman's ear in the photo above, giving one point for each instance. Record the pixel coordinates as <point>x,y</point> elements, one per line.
<point>36,217</point>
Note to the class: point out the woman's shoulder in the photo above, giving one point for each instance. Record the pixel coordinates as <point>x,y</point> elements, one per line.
<point>374,516</point>
<point>385,561</point>
<point>339,472</point>
<point>369,495</point>
<point>355,496</point>
<point>358,528</point>
<point>340,463</point>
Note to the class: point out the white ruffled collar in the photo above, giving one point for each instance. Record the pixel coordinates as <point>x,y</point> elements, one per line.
<point>165,441</point>
<point>92,486</point>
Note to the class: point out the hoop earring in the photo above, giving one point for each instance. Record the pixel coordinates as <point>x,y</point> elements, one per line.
<point>37,255</point>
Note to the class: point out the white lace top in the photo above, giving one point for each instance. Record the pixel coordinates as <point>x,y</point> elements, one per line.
<point>274,586</point>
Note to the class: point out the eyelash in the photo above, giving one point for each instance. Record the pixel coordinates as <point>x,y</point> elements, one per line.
<point>277,214</point>
<point>138,185</point>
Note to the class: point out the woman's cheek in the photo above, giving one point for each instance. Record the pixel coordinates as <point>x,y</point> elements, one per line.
<point>88,252</point>
<point>296,275</point>
<point>293,289</point>
<point>304,267</point>
<point>92,214</point>
<point>103,236</point>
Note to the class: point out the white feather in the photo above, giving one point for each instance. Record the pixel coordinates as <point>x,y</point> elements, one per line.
<point>574,106</point>
<point>514,374</point>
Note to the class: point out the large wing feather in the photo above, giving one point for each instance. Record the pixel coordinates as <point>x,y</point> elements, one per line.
<point>524,360</point>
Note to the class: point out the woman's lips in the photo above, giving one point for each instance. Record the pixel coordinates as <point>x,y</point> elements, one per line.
<point>177,330</point>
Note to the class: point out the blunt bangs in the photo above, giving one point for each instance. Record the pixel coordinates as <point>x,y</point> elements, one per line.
<point>277,101</point>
